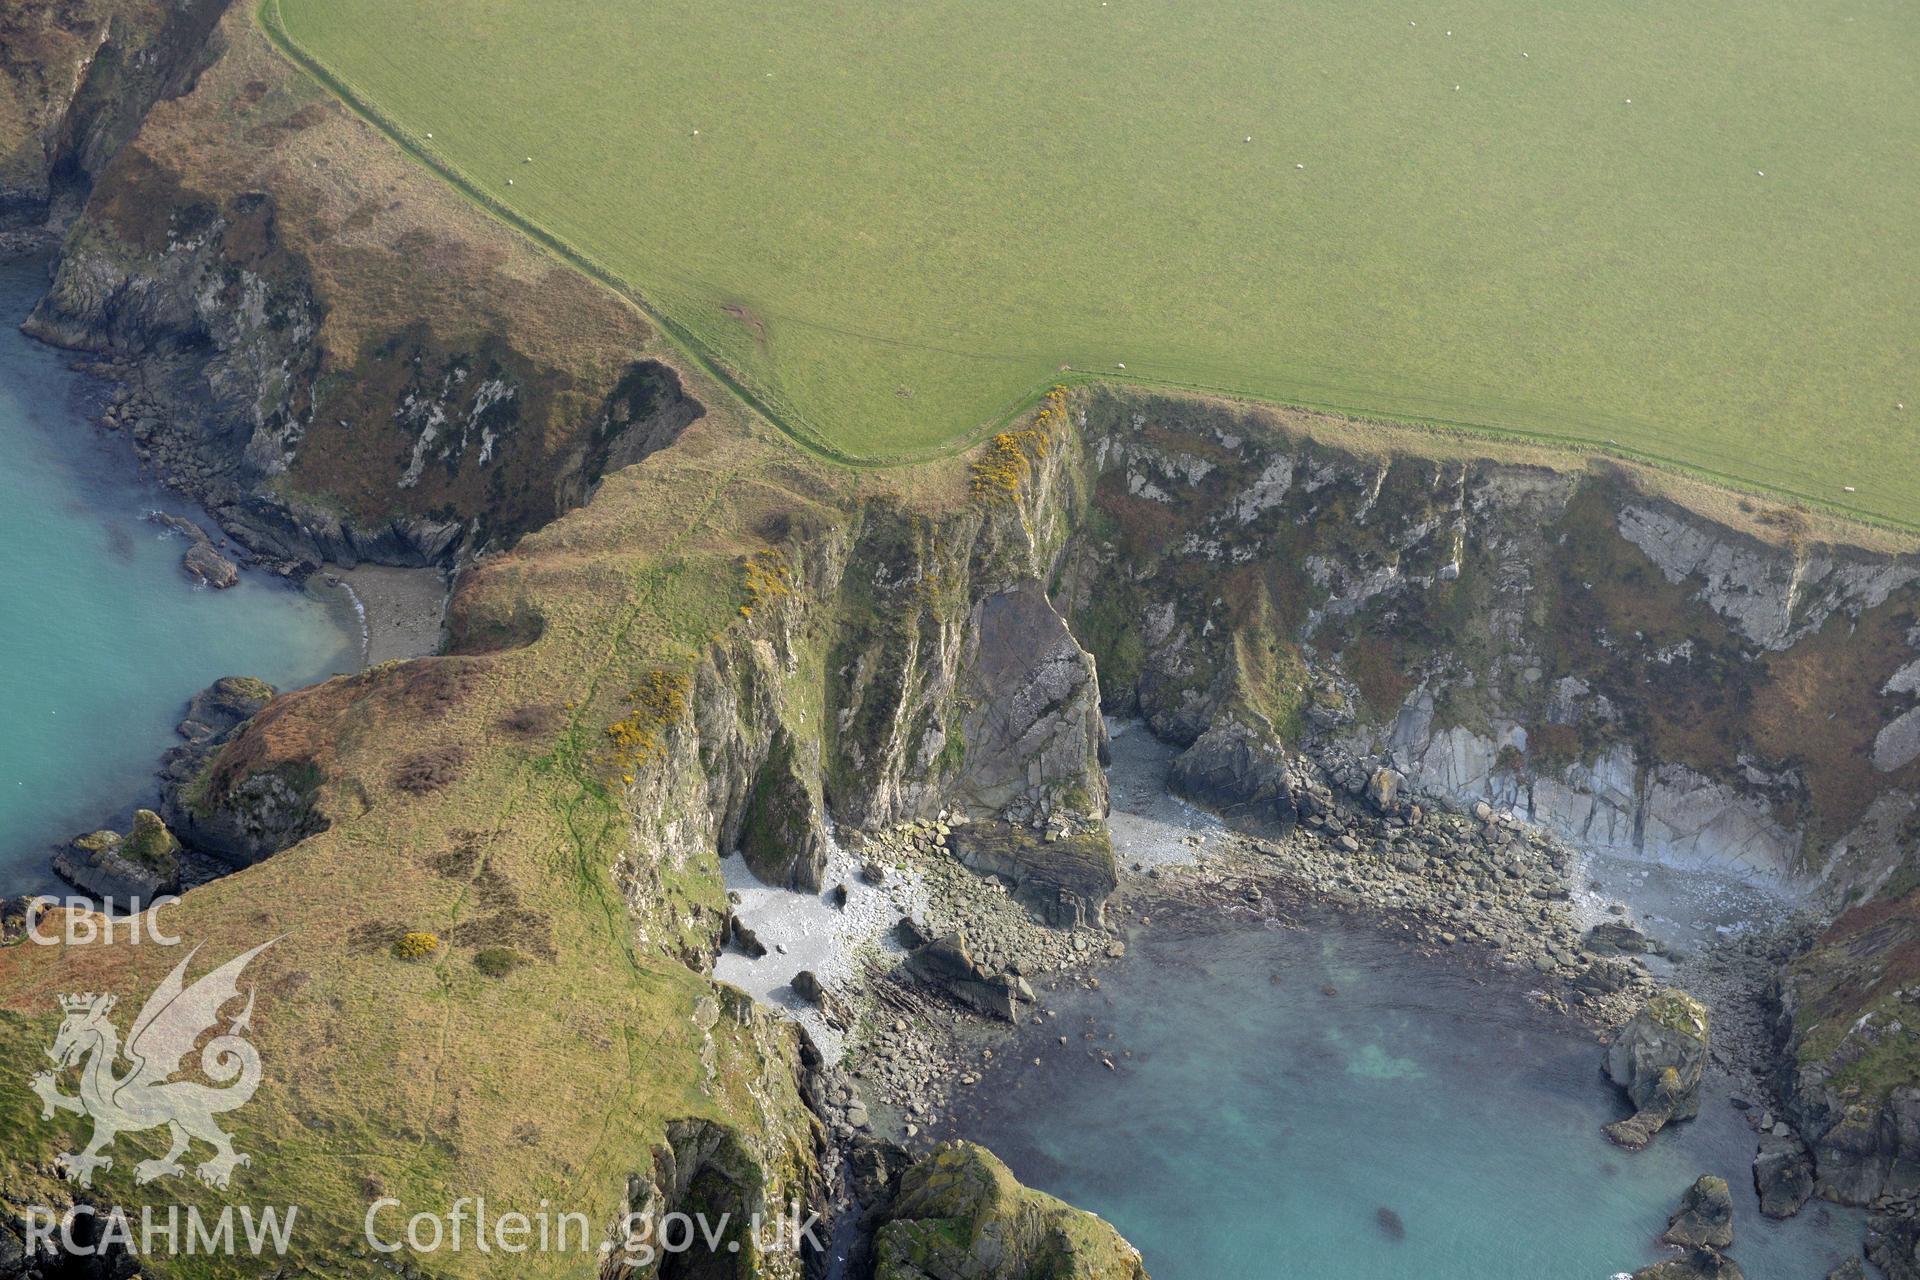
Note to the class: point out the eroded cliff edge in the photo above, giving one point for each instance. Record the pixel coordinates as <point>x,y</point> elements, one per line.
<point>734,645</point>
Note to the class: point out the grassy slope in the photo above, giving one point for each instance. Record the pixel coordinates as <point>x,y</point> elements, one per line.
<point>951,201</point>
<point>427,1081</point>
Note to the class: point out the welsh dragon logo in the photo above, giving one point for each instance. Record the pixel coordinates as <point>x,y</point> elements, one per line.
<point>144,1095</point>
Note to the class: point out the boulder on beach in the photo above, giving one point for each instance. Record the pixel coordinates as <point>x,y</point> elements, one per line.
<point>740,935</point>
<point>946,965</point>
<point>807,985</point>
<point>1657,1058</point>
<point>1705,1216</point>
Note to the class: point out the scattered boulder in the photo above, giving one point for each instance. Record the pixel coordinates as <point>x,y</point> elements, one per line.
<point>743,939</point>
<point>1893,1243</point>
<point>1704,1219</point>
<point>911,933</point>
<point>1618,938</point>
<point>1782,1174</point>
<point>960,1215</point>
<point>209,566</point>
<point>1603,978</point>
<point>807,985</point>
<point>1383,789</point>
<point>1657,1058</point>
<point>945,965</point>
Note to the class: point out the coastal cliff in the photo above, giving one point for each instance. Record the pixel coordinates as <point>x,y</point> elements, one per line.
<point>323,345</point>
<point>678,636</point>
<point>76,81</point>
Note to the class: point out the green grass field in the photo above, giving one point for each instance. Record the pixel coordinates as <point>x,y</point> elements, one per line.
<point>892,221</point>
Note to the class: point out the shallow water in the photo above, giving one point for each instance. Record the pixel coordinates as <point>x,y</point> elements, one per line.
<point>1256,1126</point>
<point>103,638</point>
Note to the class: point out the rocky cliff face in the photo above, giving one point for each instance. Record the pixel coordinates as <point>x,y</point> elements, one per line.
<point>76,79</point>
<point>1624,672</point>
<point>347,362</point>
<point>1617,668</point>
<point>886,666</point>
<point>339,361</point>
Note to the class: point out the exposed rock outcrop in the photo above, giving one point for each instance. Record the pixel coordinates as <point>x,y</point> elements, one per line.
<point>959,1214</point>
<point>1658,1058</point>
<point>76,79</point>
<point>335,378</point>
<point>1704,1219</point>
<point>202,561</point>
<point>1782,1174</point>
<point>946,965</point>
<point>1893,1243</point>
<point>1063,876</point>
<point>1695,1264</point>
<point>1238,771</point>
<point>1848,1013</point>
<point>1030,726</point>
<point>1620,670</point>
<point>124,870</point>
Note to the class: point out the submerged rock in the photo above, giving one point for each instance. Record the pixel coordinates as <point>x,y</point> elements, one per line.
<point>1698,1264</point>
<point>1657,1058</point>
<point>201,561</point>
<point>960,1215</point>
<point>1705,1216</point>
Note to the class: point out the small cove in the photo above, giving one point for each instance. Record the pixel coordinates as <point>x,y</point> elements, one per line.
<point>104,638</point>
<point>1320,1099</point>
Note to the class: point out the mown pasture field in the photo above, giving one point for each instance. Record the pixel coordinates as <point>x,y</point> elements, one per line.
<point>1687,233</point>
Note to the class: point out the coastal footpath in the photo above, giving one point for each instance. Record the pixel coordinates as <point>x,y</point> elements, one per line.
<point>677,635</point>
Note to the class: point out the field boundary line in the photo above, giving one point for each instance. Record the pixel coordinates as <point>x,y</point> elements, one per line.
<point>803,433</point>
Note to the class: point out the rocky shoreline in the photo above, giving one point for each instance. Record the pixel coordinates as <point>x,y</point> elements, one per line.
<point>1477,888</point>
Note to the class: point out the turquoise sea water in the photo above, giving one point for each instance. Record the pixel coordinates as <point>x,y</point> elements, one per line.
<point>102,638</point>
<point>1260,1125</point>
